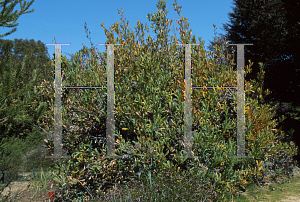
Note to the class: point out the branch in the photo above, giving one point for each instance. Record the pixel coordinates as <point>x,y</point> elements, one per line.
<point>4,120</point>
<point>7,18</point>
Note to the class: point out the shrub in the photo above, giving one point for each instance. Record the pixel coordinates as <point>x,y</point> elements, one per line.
<point>150,111</point>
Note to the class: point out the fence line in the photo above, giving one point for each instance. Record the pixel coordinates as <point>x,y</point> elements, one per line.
<point>110,136</point>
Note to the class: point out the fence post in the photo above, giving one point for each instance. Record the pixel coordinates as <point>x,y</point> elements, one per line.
<point>110,120</point>
<point>57,105</point>
<point>240,102</point>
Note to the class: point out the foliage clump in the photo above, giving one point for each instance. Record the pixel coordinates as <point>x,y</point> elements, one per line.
<point>149,114</point>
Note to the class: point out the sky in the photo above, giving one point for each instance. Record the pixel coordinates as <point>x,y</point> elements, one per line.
<point>65,19</point>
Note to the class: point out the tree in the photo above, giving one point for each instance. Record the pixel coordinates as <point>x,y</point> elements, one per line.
<point>38,58</point>
<point>12,105</point>
<point>36,55</point>
<point>85,52</point>
<point>18,93</point>
<point>7,18</point>
<point>17,114</point>
<point>254,23</point>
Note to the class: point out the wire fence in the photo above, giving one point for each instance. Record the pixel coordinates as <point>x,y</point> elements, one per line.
<point>110,136</point>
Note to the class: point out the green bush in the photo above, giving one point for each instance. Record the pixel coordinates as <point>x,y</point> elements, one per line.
<point>149,84</point>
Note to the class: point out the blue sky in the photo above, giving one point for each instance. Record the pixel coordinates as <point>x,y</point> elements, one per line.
<point>64,20</point>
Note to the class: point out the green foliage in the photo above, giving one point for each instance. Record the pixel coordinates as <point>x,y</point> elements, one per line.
<point>11,153</point>
<point>7,18</point>
<point>10,108</point>
<point>149,112</point>
<point>19,77</point>
<point>37,58</point>
<point>16,113</point>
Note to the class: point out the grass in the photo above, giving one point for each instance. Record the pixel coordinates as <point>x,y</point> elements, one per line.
<point>283,188</point>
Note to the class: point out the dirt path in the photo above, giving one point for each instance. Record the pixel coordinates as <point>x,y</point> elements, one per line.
<point>285,190</point>
<point>17,187</point>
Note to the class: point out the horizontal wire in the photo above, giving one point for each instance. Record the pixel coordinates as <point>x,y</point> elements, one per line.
<point>106,87</point>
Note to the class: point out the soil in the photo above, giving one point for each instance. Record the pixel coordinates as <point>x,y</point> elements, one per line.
<point>24,191</point>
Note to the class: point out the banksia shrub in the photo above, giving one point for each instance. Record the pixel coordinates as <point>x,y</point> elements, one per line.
<point>149,113</point>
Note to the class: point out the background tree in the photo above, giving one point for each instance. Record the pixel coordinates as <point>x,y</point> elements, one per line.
<point>273,28</point>
<point>7,18</point>
<point>16,113</point>
<point>18,98</point>
<point>38,58</point>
